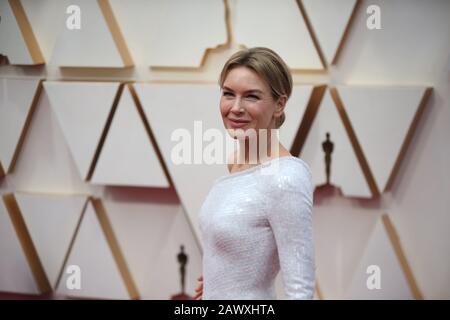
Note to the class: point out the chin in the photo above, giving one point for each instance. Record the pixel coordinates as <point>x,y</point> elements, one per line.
<point>235,135</point>
<point>238,134</point>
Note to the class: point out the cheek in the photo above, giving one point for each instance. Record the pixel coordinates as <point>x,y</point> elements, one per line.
<point>260,112</point>
<point>224,107</point>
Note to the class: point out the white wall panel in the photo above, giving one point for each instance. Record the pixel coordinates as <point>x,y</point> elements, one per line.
<point>169,107</point>
<point>258,24</point>
<point>51,221</point>
<point>82,109</point>
<point>128,157</point>
<point>381,118</point>
<point>379,252</point>
<point>329,20</point>
<point>16,99</point>
<point>86,46</point>
<point>45,164</point>
<point>158,29</point>
<point>16,36</point>
<point>46,30</point>
<point>150,234</point>
<point>410,49</point>
<point>294,110</point>
<point>341,233</point>
<point>346,172</point>
<point>100,275</point>
<point>15,273</point>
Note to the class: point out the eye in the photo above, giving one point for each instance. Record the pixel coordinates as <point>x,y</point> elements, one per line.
<point>253,97</point>
<point>227,94</point>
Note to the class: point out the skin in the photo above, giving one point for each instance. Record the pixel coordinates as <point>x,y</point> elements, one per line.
<point>246,96</point>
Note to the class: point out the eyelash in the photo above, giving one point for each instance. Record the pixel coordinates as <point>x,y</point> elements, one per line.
<point>250,96</point>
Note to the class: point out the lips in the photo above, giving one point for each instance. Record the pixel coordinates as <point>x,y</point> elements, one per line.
<point>237,123</point>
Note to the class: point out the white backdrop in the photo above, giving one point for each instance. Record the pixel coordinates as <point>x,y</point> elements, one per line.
<point>411,50</point>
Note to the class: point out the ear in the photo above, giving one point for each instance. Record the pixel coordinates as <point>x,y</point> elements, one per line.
<point>281,104</point>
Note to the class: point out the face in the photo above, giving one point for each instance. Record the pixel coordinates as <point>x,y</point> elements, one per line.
<point>247,103</point>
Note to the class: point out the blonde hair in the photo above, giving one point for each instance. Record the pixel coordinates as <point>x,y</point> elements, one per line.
<point>269,66</point>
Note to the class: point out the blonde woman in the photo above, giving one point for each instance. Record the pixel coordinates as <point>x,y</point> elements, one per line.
<point>254,224</point>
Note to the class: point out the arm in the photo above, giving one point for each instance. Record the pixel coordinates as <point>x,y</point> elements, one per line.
<point>290,217</point>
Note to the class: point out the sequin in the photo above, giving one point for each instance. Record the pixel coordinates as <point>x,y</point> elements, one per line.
<point>255,225</point>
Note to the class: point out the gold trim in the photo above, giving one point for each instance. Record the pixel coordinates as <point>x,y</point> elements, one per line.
<point>175,81</point>
<point>27,32</point>
<point>71,244</point>
<point>347,29</point>
<point>149,131</point>
<point>26,242</point>
<point>319,291</point>
<point>311,110</point>
<point>25,126</point>
<point>155,81</point>
<point>207,51</point>
<point>118,81</point>
<point>407,271</point>
<point>228,42</point>
<point>105,131</point>
<point>227,17</point>
<point>56,194</point>
<point>2,172</point>
<point>114,28</point>
<point>310,72</point>
<point>408,138</point>
<point>312,34</point>
<point>315,39</point>
<point>140,108</point>
<point>115,248</point>
<point>355,143</point>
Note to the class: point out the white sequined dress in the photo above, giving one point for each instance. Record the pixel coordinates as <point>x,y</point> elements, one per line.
<point>254,223</point>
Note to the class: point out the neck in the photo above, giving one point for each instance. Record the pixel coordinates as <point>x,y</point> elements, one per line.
<point>255,149</point>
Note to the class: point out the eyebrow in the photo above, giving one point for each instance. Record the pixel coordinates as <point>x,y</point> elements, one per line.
<point>247,91</point>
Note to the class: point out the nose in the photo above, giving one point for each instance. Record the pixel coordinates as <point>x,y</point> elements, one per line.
<point>237,107</point>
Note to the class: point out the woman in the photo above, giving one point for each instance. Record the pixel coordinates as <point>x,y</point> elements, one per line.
<point>254,224</point>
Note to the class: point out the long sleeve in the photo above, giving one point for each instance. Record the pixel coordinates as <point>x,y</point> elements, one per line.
<point>290,217</point>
